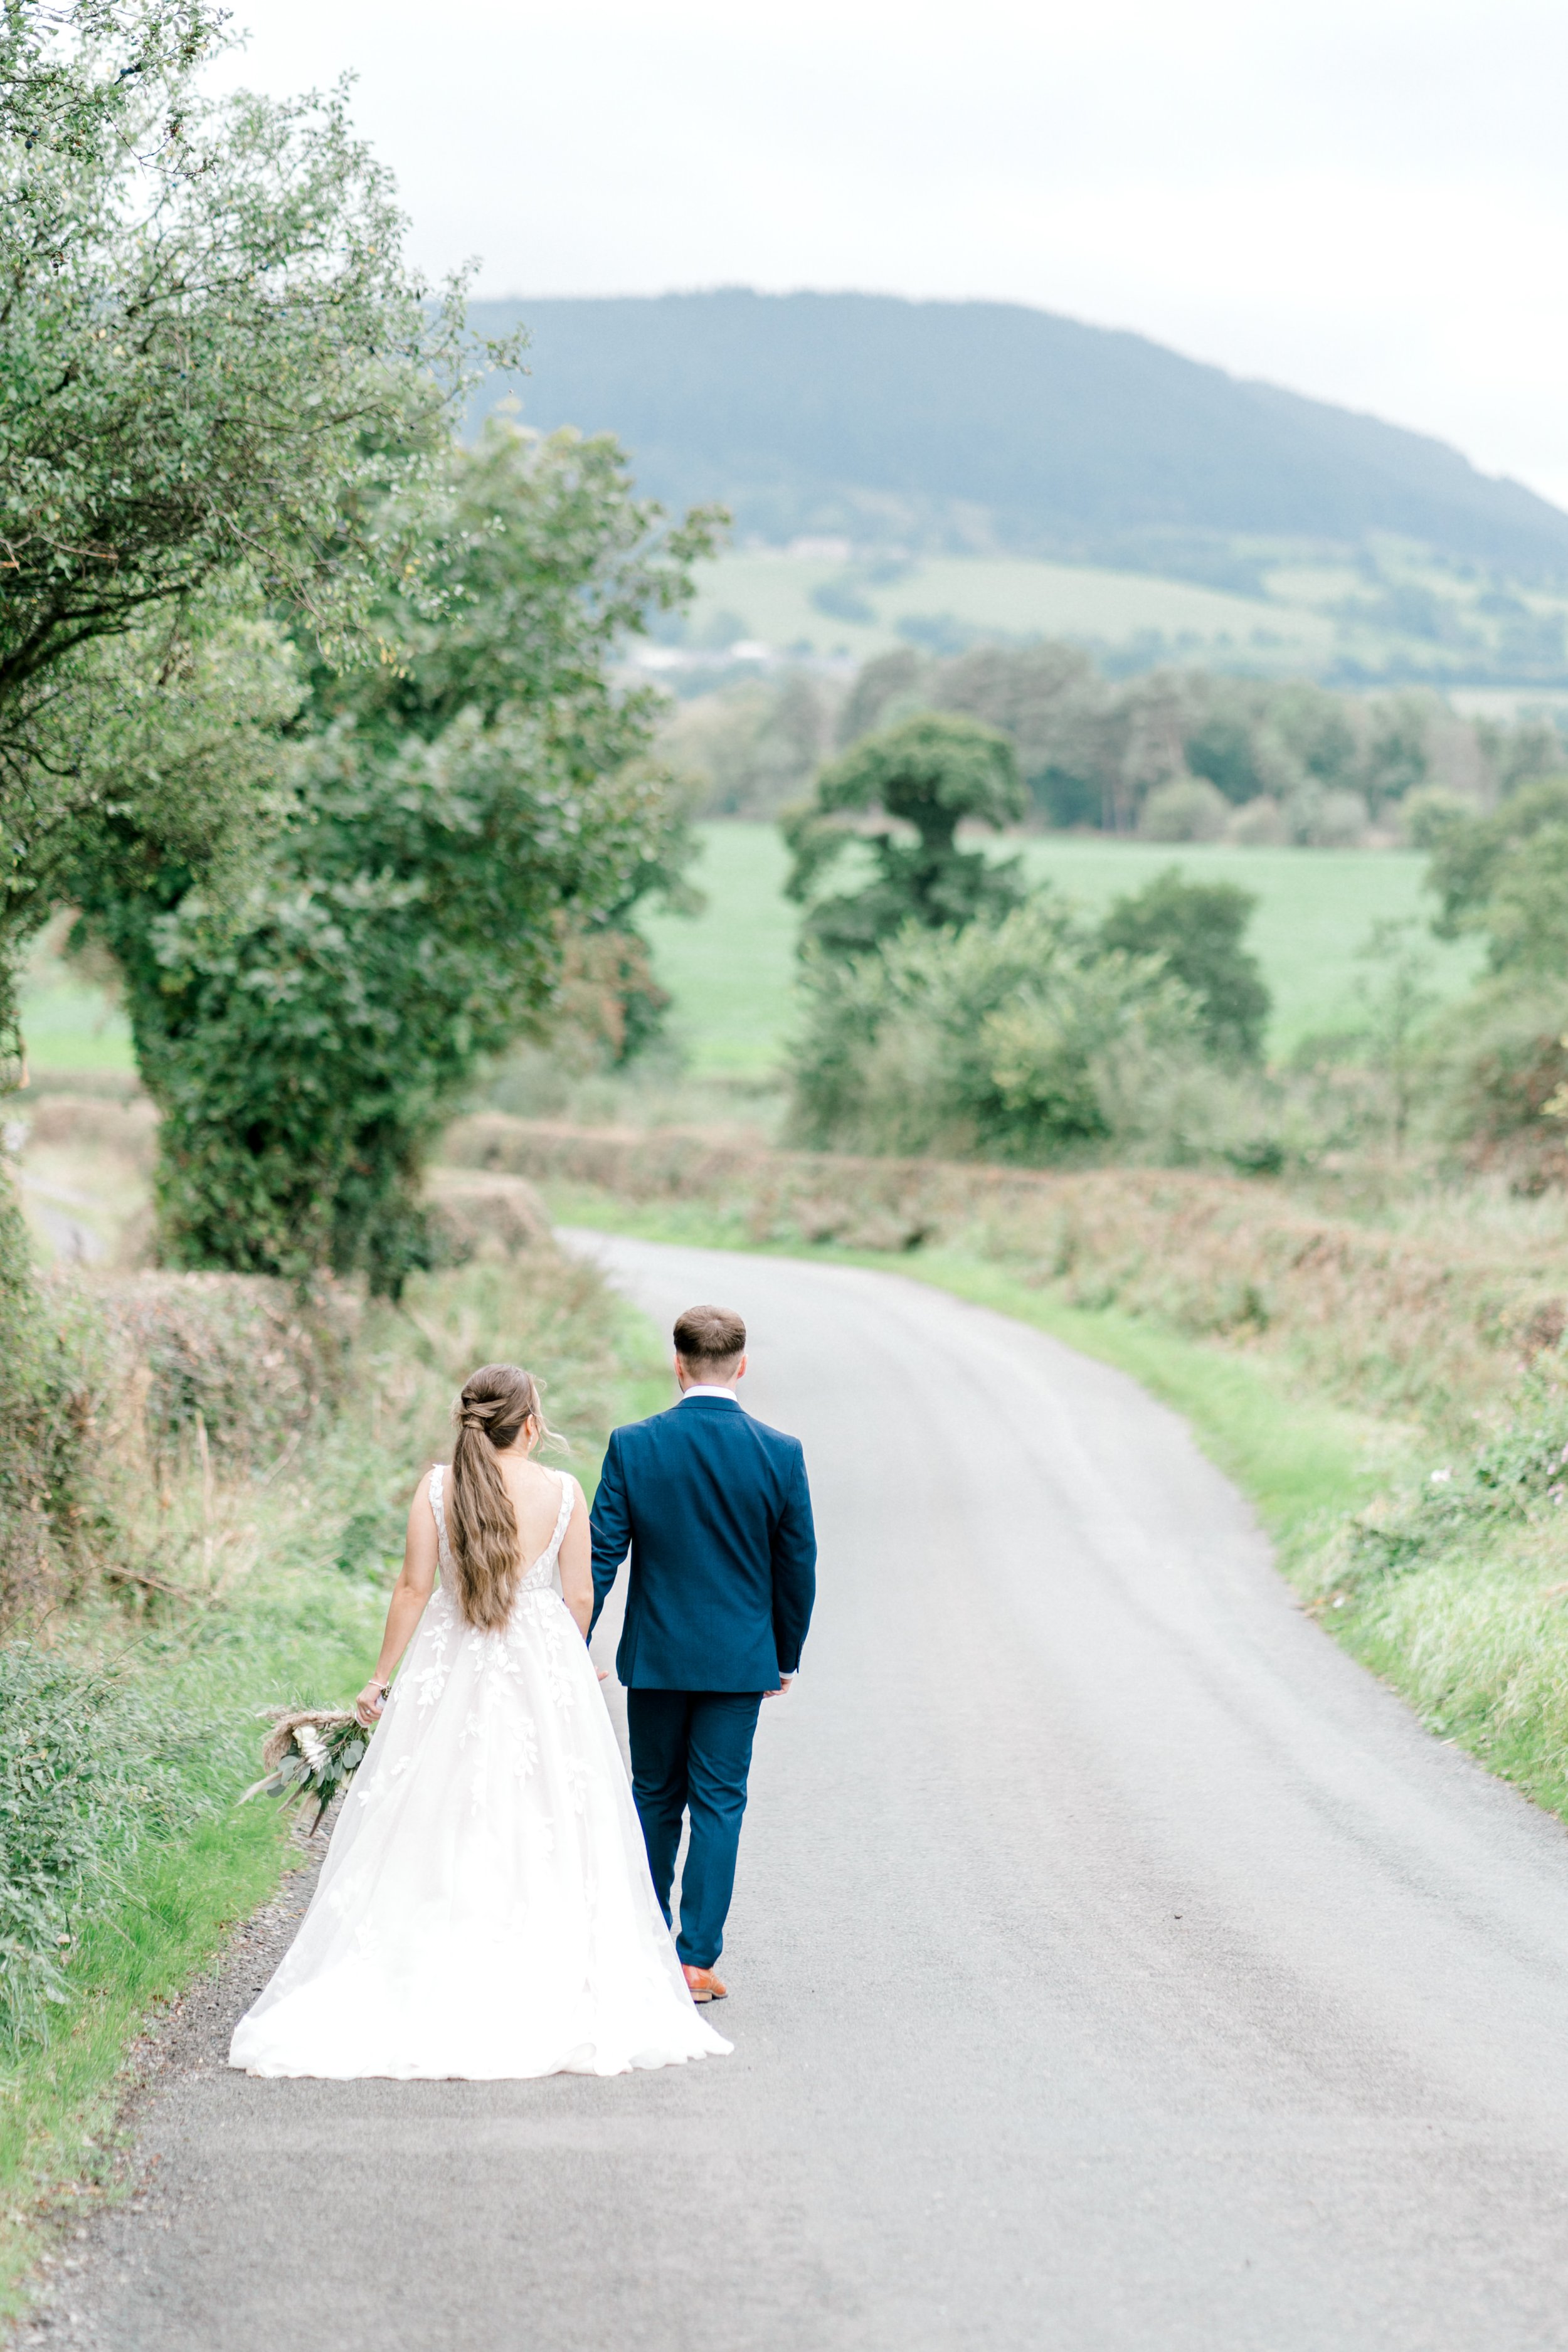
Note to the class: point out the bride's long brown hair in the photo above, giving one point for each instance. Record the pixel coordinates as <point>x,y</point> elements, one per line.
<point>498,1400</point>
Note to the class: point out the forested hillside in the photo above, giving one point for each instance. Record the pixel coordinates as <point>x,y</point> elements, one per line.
<point>987,425</point>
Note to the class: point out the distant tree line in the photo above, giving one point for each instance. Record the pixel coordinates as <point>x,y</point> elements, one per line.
<point>948,1007</point>
<point>1176,755</point>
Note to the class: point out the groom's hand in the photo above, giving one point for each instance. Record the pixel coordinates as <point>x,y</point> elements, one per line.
<point>783,1682</point>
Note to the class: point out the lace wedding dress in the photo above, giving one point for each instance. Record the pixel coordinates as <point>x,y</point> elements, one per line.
<point>485,1907</point>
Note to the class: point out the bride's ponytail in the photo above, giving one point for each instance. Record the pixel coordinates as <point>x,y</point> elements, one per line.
<point>498,1400</point>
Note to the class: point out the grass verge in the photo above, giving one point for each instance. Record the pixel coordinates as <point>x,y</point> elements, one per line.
<point>61,2139</point>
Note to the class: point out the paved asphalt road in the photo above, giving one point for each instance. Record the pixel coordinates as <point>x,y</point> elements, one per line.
<point>1113,1964</point>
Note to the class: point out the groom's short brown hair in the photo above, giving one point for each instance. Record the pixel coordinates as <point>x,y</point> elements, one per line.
<point>709,1335</point>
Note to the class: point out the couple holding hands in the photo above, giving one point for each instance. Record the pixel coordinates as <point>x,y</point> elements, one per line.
<point>496,1901</point>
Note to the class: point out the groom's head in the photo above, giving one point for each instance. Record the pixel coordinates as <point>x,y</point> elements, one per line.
<point>710,1347</point>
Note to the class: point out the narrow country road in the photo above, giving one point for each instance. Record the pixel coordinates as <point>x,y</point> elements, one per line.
<point>1115,1967</point>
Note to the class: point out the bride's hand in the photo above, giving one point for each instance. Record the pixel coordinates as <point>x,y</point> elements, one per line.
<point>368,1705</point>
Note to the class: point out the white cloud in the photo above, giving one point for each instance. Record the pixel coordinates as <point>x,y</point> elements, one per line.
<point>1361,201</point>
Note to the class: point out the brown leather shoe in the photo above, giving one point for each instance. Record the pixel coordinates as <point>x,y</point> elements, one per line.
<point>704,1984</point>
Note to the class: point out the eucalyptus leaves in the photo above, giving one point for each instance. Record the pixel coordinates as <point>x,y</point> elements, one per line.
<point>310,1752</point>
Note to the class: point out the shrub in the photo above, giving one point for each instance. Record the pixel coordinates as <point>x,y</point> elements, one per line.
<point>108,1388</point>
<point>1517,1476</point>
<point>50,1377</point>
<point>1472,855</point>
<point>1321,819</point>
<point>1020,1037</point>
<point>1197,928</point>
<point>88,1767</point>
<point>1186,809</point>
<point>1501,1082</point>
<point>1259,825</point>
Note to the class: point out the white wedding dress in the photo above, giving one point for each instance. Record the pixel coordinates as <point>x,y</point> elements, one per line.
<point>485,1907</point>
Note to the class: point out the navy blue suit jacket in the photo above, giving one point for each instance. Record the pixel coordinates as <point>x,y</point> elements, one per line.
<point>714,1509</point>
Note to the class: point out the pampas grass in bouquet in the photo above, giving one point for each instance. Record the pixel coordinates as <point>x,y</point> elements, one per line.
<point>311,1752</point>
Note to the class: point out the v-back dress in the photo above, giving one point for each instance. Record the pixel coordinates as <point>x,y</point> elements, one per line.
<point>485,1908</point>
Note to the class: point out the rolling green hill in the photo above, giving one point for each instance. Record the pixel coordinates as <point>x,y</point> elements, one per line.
<point>989,427</point>
<point>810,603</point>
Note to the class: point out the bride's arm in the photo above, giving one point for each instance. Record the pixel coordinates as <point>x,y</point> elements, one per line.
<point>413,1589</point>
<point>577,1564</point>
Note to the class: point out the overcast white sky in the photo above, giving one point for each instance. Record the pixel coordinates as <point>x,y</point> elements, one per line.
<point>1362,199</point>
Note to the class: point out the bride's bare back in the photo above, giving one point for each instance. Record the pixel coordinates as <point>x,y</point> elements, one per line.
<point>536,1499</point>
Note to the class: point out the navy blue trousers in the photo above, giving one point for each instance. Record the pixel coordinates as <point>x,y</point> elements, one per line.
<point>691,1752</point>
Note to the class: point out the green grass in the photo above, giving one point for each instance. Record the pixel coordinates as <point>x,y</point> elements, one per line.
<point>58,2113</point>
<point>1315,909</point>
<point>770,595</point>
<point>1306,616</point>
<point>69,1024</point>
<point>306,1632</point>
<point>731,971</point>
<point>1476,1641</point>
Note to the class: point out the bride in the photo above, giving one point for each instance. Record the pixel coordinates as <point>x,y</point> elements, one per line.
<point>485,1908</point>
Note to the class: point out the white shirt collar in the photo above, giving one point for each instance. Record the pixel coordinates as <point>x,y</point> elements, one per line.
<point>707,1388</point>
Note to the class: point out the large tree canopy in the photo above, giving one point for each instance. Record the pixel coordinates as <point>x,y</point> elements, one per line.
<point>927,775</point>
<point>463,815</point>
<point>216,374</point>
<point>311,716</point>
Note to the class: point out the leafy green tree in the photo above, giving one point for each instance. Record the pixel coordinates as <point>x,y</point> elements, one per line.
<point>1500,1056</point>
<point>462,815</point>
<point>1399,1004</point>
<point>1053,706</point>
<point>1505,874</point>
<point>1197,928</point>
<point>215,372</point>
<point>927,775</point>
<point>213,368</point>
<point>64,64</point>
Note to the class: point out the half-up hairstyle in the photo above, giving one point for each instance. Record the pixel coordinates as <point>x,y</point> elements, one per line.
<point>482,1525</point>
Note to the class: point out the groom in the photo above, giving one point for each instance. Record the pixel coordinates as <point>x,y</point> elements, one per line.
<point>714,1509</point>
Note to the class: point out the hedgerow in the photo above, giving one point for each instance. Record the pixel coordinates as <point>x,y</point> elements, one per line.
<point>89,1768</point>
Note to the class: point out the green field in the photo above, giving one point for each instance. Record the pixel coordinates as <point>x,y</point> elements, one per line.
<point>1303,619</point>
<point>768,595</point>
<point>69,1023</point>
<point>730,972</point>
<point>1315,909</point>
